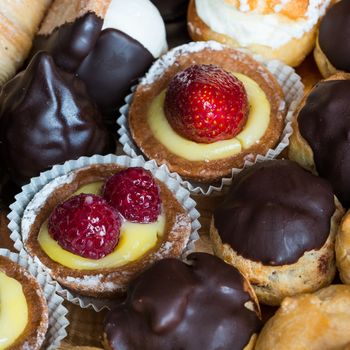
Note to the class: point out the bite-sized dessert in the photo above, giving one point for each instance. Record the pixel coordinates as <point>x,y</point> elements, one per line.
<point>320,141</point>
<point>277,225</point>
<point>332,51</point>
<point>310,321</point>
<point>202,109</point>
<point>203,304</point>
<point>97,227</point>
<point>283,30</point>
<point>19,23</point>
<point>46,118</point>
<point>342,249</point>
<point>23,312</point>
<point>109,44</point>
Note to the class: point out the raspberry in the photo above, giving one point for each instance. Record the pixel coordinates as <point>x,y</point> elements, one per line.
<point>85,225</point>
<point>135,194</point>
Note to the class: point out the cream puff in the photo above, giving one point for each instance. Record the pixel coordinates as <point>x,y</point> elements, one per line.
<point>342,249</point>
<point>277,225</point>
<point>283,30</point>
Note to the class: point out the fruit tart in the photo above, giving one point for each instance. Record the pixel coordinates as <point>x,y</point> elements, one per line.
<point>204,109</point>
<point>98,226</point>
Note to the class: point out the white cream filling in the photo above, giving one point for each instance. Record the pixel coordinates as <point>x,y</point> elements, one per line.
<point>248,28</point>
<point>141,20</point>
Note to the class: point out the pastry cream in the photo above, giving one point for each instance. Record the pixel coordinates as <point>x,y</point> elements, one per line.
<point>135,240</point>
<point>257,123</point>
<point>13,310</point>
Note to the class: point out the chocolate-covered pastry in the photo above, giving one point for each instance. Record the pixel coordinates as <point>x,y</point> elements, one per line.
<point>47,117</point>
<point>172,10</point>
<point>277,224</point>
<point>204,305</point>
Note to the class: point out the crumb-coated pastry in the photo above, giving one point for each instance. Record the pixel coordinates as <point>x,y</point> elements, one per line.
<point>19,21</point>
<point>97,227</point>
<point>342,249</point>
<point>203,304</point>
<point>277,225</point>
<point>283,30</point>
<point>317,321</point>
<point>46,118</point>
<point>332,51</point>
<point>109,44</point>
<point>320,141</point>
<point>23,312</point>
<point>203,108</point>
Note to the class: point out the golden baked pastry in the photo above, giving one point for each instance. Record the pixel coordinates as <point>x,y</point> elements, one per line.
<point>318,321</point>
<point>203,162</point>
<point>342,249</point>
<point>277,225</point>
<point>289,41</point>
<point>107,276</point>
<point>34,332</point>
<point>19,21</point>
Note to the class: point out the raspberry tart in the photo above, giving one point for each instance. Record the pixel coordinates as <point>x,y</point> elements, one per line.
<point>204,109</point>
<point>97,226</point>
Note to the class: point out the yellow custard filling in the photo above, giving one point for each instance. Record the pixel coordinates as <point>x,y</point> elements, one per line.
<point>135,240</point>
<point>257,123</point>
<point>13,310</point>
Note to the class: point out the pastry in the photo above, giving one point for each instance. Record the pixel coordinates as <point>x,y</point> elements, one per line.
<point>94,232</point>
<point>277,225</point>
<point>320,138</point>
<point>342,249</point>
<point>202,109</point>
<point>105,43</point>
<point>283,30</point>
<point>310,321</point>
<point>19,21</point>
<point>23,313</point>
<point>203,304</point>
<point>47,117</point>
<point>332,49</point>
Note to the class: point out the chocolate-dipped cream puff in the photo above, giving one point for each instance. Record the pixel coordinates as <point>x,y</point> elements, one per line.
<point>277,225</point>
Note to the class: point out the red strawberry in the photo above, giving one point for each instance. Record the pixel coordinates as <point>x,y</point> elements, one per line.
<point>85,225</point>
<point>205,104</point>
<point>135,194</point>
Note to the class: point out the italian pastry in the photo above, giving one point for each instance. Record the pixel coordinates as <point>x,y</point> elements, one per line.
<point>104,43</point>
<point>310,321</point>
<point>332,49</point>
<point>202,109</point>
<point>277,225</point>
<point>342,249</point>
<point>320,138</point>
<point>23,313</point>
<point>20,21</point>
<point>202,304</point>
<point>46,118</point>
<point>97,227</point>
<point>283,30</point>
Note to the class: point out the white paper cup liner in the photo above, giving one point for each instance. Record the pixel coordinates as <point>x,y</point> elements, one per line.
<point>57,312</point>
<point>36,192</point>
<point>290,82</point>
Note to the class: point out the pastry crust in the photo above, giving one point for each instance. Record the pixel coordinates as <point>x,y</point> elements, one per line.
<point>291,53</point>
<point>110,281</point>
<point>34,333</point>
<point>310,321</point>
<point>314,270</point>
<point>206,171</point>
<point>19,21</point>
<point>299,150</point>
<point>342,249</point>
<point>324,65</point>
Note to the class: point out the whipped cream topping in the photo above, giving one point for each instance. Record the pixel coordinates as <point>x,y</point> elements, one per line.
<point>139,19</point>
<point>248,28</point>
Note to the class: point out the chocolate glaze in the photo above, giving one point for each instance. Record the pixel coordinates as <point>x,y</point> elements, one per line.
<point>274,212</point>
<point>108,61</point>
<point>324,122</point>
<point>178,306</point>
<point>72,42</point>
<point>172,10</point>
<point>334,35</point>
<point>47,117</point>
